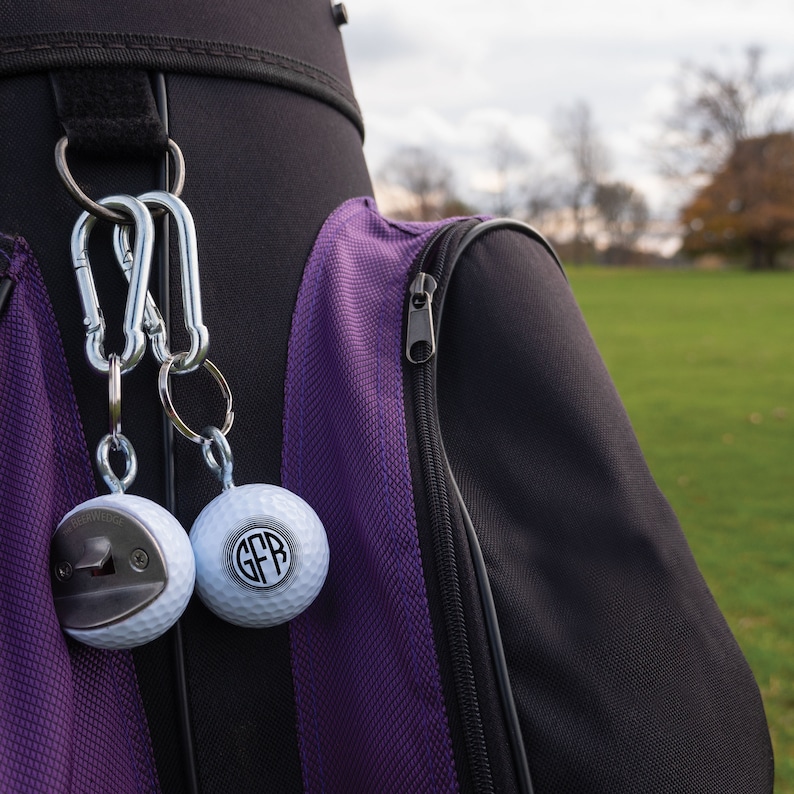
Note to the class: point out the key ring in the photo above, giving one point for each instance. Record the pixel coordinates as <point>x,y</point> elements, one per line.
<point>114,398</point>
<point>104,212</point>
<point>168,403</point>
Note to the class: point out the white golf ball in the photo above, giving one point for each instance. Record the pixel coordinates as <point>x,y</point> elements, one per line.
<point>261,555</point>
<point>156,617</point>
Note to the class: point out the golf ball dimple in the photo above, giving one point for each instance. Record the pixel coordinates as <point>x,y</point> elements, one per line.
<point>261,555</point>
<point>160,614</point>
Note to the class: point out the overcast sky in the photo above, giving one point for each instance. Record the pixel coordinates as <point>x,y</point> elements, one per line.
<point>447,74</point>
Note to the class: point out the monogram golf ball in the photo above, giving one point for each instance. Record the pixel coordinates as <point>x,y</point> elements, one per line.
<point>261,555</point>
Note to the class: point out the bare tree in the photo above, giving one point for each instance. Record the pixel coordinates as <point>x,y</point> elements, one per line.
<point>579,140</point>
<point>715,109</point>
<point>508,159</point>
<point>624,212</point>
<point>543,195</point>
<point>424,174</point>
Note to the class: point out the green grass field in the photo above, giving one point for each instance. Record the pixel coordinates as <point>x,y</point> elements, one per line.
<point>704,362</point>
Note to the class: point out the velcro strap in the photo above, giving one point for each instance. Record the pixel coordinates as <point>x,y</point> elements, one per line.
<point>109,112</point>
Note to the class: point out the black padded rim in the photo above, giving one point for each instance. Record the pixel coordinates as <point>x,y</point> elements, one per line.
<point>67,50</point>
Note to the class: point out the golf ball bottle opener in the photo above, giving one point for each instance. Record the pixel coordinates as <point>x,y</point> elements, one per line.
<point>261,551</point>
<point>122,568</point>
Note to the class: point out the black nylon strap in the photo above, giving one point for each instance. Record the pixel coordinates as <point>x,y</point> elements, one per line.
<point>109,112</point>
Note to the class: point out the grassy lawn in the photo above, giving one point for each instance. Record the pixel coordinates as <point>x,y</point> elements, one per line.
<point>705,365</point>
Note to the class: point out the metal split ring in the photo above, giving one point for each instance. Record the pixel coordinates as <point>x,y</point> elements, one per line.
<point>104,212</point>
<point>168,404</point>
<point>114,397</point>
<point>119,443</point>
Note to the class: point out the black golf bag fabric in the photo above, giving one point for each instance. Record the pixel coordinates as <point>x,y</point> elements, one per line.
<point>598,598</point>
<point>625,675</point>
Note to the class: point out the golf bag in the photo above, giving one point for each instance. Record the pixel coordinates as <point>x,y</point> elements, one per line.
<point>510,604</point>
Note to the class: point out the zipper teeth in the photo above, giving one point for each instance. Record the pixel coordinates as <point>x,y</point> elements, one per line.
<point>444,552</point>
<point>430,245</point>
<point>443,541</point>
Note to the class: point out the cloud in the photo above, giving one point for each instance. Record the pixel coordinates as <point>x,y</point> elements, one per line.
<point>446,74</point>
<point>377,40</point>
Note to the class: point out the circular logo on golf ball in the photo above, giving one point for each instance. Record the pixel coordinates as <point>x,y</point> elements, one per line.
<point>261,555</point>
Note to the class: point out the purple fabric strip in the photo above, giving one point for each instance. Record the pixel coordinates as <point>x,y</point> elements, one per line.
<point>71,717</point>
<point>371,715</point>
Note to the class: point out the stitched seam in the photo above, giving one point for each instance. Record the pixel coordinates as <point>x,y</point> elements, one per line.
<point>324,243</point>
<point>286,62</point>
<point>397,558</point>
<point>316,720</point>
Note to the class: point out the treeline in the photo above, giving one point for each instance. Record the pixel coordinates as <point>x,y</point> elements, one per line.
<point>726,148</point>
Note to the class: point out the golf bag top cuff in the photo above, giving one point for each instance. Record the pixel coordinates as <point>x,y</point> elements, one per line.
<point>31,53</point>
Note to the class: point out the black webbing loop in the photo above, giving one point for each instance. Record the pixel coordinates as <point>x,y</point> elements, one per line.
<point>110,112</point>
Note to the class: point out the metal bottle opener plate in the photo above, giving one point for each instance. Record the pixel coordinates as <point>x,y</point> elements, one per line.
<point>105,565</point>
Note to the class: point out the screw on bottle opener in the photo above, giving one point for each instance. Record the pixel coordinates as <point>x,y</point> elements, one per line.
<point>106,565</point>
<point>140,267</point>
<point>192,359</point>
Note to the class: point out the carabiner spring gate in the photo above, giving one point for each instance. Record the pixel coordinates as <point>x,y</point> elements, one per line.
<point>198,333</point>
<point>139,270</point>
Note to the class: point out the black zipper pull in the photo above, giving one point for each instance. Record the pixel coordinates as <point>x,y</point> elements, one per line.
<point>420,319</point>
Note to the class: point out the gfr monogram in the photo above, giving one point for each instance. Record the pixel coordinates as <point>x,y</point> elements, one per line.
<point>262,557</point>
<point>261,554</point>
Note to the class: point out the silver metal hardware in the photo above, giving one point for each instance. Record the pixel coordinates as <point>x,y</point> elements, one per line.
<point>64,571</point>
<point>101,210</point>
<point>420,318</point>
<point>96,553</point>
<point>97,576</point>
<point>168,403</point>
<point>120,443</point>
<point>223,469</point>
<point>135,339</point>
<point>139,559</point>
<point>191,288</point>
<point>114,397</point>
<point>153,322</point>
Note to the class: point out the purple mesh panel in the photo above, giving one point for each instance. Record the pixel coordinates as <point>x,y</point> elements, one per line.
<point>371,717</point>
<point>71,718</point>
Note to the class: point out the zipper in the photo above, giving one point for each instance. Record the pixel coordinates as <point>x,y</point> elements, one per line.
<point>434,268</point>
<point>420,348</point>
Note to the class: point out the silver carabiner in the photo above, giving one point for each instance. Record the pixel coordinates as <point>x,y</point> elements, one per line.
<point>153,322</point>
<point>140,267</point>
<point>191,360</point>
